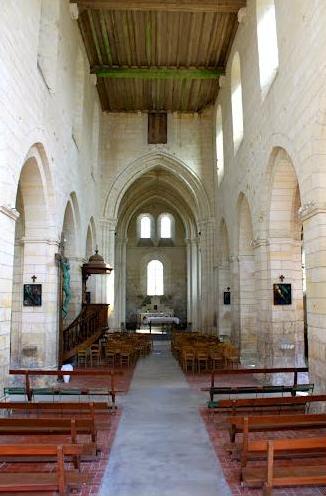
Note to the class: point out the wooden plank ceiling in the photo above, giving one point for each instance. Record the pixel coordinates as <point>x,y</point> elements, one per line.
<point>155,55</point>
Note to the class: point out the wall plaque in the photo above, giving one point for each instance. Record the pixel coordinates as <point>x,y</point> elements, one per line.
<point>32,295</point>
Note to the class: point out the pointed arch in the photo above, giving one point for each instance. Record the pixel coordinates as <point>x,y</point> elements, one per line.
<point>191,186</point>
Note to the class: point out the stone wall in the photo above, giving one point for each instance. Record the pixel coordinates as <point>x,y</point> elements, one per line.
<point>280,169</point>
<point>174,261</point>
<point>39,46</point>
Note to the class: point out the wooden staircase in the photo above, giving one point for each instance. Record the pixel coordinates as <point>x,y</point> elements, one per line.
<point>85,330</point>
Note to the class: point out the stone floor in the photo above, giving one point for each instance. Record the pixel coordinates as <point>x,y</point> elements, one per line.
<point>162,447</point>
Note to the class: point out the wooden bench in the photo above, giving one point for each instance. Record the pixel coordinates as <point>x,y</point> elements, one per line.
<point>28,373</point>
<point>60,480</point>
<point>261,390</point>
<point>275,475</point>
<point>269,423</point>
<point>252,389</point>
<point>279,404</point>
<point>97,411</point>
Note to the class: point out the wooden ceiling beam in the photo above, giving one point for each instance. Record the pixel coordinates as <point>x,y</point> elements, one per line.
<point>217,6</point>
<point>162,73</point>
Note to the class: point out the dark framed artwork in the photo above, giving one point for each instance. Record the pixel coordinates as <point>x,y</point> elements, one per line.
<point>32,295</point>
<point>282,294</point>
<point>227,298</point>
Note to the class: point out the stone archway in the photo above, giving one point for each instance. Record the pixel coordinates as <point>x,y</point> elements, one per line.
<point>182,189</point>
<point>286,236</point>
<point>71,232</point>
<point>34,336</point>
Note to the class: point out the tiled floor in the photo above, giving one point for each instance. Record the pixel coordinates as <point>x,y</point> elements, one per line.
<point>162,447</point>
<point>96,468</point>
<point>218,434</point>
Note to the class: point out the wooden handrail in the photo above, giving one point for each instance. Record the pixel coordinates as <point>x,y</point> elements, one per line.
<point>84,330</point>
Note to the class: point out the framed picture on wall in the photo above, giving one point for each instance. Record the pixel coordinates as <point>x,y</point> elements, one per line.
<point>282,294</point>
<point>32,295</point>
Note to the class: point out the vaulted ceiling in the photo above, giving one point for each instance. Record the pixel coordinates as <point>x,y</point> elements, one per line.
<point>158,55</point>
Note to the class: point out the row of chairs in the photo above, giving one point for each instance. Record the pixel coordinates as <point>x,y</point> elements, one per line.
<point>198,353</point>
<point>118,349</point>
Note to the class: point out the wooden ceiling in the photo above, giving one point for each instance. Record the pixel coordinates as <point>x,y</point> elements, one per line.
<point>158,55</point>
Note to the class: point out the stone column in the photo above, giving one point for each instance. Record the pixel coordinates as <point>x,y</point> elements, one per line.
<point>235,300</point>
<point>120,280</point>
<point>264,302</point>
<point>189,280</point>
<point>8,217</point>
<point>313,216</point>
<point>108,231</point>
<point>287,320</point>
<point>35,339</point>
<point>208,290</point>
<point>224,311</point>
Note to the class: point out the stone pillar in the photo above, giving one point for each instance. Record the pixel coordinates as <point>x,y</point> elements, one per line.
<point>287,320</point>
<point>235,300</point>
<point>224,311</point>
<point>108,231</point>
<point>120,280</point>
<point>35,334</point>
<point>208,290</point>
<point>313,217</point>
<point>189,280</point>
<point>8,217</point>
<point>264,298</point>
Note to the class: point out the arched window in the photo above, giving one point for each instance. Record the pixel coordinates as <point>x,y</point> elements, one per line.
<point>219,144</point>
<point>267,43</point>
<point>236,97</point>
<point>155,278</point>
<point>165,227</point>
<point>145,227</point>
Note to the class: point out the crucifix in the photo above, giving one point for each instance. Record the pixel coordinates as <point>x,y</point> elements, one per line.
<point>33,279</point>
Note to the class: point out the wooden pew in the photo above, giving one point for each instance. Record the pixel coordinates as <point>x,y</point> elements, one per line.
<point>275,475</point>
<point>60,480</point>
<point>251,371</point>
<point>49,426</point>
<point>99,412</point>
<point>28,373</point>
<point>262,390</point>
<point>269,423</point>
<point>279,404</point>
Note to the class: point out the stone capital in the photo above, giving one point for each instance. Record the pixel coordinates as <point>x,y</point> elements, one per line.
<point>74,12</point>
<point>109,224</point>
<point>50,242</point>
<point>310,209</point>
<point>242,14</point>
<point>10,212</point>
<point>259,242</point>
<point>93,79</point>
<point>221,81</point>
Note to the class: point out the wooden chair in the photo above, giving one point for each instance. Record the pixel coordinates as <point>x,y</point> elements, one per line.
<point>217,357</point>
<point>95,356</point>
<point>189,360</point>
<point>82,358</point>
<point>202,359</point>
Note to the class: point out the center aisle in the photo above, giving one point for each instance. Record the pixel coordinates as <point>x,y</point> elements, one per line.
<point>162,447</point>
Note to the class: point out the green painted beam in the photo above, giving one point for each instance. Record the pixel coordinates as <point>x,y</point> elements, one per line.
<point>156,73</point>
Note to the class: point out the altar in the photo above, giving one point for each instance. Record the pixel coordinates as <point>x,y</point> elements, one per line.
<point>160,320</point>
